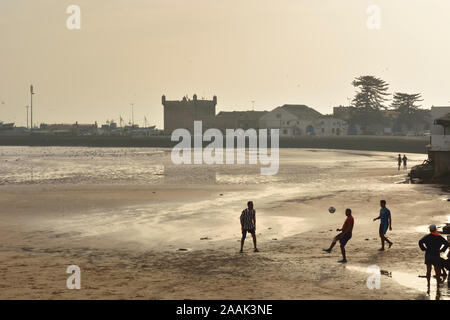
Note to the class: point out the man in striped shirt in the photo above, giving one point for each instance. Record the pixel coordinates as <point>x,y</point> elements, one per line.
<point>248,224</point>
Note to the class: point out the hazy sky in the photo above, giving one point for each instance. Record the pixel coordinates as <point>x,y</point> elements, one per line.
<point>272,52</point>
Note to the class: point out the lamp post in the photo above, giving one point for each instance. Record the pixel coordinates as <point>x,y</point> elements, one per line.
<point>31,104</point>
<point>27,107</point>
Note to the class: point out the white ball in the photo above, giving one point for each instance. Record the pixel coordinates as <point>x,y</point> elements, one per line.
<point>332,209</point>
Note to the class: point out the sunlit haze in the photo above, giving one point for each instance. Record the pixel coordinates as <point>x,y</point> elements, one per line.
<point>269,52</point>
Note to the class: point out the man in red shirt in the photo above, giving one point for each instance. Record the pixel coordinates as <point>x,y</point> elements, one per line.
<point>344,236</point>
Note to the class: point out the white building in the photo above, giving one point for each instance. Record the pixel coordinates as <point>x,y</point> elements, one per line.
<point>439,148</point>
<point>440,135</point>
<point>328,125</point>
<point>301,120</point>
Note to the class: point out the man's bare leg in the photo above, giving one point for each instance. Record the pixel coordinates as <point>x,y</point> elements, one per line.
<point>242,243</point>
<point>382,242</point>
<point>343,252</point>
<point>254,241</point>
<point>388,241</point>
<point>383,239</point>
<point>428,277</point>
<point>437,270</point>
<point>333,243</point>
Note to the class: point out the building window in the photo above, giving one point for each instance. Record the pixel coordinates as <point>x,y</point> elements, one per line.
<point>323,130</point>
<point>278,115</point>
<point>285,131</point>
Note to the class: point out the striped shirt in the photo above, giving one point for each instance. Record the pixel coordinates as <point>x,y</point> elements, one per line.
<point>247,218</point>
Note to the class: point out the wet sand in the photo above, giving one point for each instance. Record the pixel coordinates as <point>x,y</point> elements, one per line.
<point>125,236</point>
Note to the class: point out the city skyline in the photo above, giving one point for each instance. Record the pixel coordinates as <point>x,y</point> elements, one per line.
<point>272,53</point>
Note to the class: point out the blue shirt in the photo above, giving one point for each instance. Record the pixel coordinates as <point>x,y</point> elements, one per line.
<point>384,215</point>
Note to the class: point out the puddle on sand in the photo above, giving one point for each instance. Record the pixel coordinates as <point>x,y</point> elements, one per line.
<point>412,281</point>
<point>425,229</point>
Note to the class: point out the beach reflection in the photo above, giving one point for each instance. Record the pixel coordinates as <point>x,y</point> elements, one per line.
<point>77,165</point>
<point>412,281</point>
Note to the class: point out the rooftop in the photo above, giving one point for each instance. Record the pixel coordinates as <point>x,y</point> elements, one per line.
<point>302,111</point>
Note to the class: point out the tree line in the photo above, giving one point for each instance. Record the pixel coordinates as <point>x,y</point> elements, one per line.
<point>370,108</point>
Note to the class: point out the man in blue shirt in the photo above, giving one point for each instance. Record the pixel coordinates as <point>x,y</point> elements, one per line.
<point>385,223</point>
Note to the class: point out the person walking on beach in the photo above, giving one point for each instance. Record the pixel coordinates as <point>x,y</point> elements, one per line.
<point>433,244</point>
<point>399,161</point>
<point>248,224</point>
<point>385,223</point>
<point>344,236</point>
<point>405,160</point>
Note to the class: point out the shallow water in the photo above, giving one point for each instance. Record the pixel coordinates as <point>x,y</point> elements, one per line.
<point>77,165</point>
<point>304,175</point>
<point>410,281</point>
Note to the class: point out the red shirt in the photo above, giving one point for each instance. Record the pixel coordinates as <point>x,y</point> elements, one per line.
<point>348,224</point>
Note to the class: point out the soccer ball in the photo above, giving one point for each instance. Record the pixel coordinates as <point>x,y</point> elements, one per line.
<point>332,209</point>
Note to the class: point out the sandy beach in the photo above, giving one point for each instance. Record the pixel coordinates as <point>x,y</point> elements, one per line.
<point>122,216</point>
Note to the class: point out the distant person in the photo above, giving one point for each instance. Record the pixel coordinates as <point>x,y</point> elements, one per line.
<point>399,161</point>
<point>344,236</point>
<point>405,160</point>
<point>248,224</point>
<point>385,224</point>
<point>433,244</point>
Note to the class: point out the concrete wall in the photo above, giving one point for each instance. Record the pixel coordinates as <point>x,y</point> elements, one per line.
<point>440,143</point>
<point>437,112</point>
<point>441,161</point>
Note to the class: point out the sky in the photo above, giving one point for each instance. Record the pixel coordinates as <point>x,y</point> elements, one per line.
<point>270,52</point>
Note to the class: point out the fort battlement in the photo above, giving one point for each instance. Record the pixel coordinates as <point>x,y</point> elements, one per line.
<point>182,113</point>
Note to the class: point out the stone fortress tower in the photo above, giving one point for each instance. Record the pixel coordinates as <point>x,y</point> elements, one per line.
<point>182,113</point>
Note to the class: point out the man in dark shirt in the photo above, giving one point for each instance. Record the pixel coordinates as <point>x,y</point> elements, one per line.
<point>344,236</point>
<point>433,244</point>
<point>248,224</point>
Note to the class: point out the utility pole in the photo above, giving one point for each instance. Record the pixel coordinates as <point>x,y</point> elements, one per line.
<point>27,107</point>
<point>253,105</point>
<point>31,104</point>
